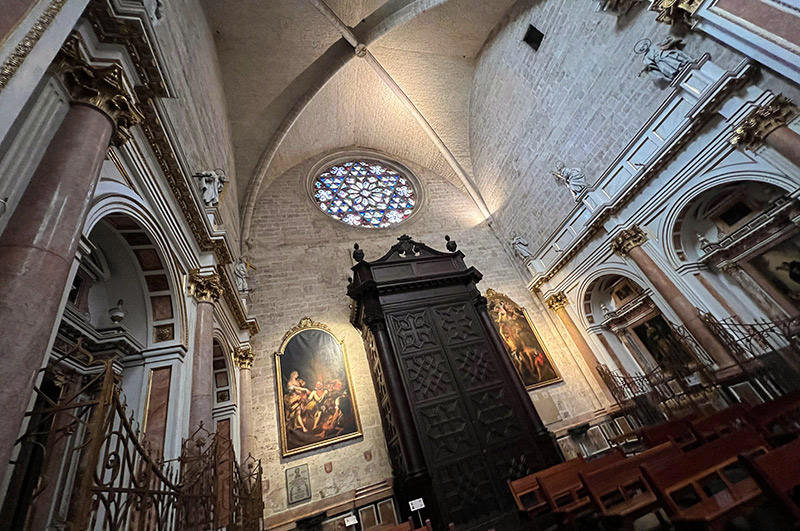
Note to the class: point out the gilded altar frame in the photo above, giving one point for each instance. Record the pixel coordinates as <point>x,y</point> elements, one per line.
<point>307,324</point>
<point>493,296</point>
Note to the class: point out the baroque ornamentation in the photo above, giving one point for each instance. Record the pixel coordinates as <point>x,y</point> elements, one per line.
<point>21,51</point>
<point>205,287</point>
<point>305,322</point>
<point>557,301</point>
<point>244,356</point>
<point>628,239</point>
<point>101,87</point>
<point>762,121</point>
<point>675,11</point>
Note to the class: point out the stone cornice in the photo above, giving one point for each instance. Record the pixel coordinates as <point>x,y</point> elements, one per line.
<point>557,301</point>
<point>762,121</point>
<point>204,286</point>
<point>627,240</point>
<point>102,87</point>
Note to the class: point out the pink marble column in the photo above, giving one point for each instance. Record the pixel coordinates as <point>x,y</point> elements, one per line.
<point>244,359</point>
<point>629,242</point>
<point>206,288</point>
<point>786,142</point>
<point>40,241</point>
<point>768,124</point>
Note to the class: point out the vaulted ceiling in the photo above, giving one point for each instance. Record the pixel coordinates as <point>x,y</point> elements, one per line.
<point>294,87</point>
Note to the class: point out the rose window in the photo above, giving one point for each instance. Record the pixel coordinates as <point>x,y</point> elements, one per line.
<point>365,194</point>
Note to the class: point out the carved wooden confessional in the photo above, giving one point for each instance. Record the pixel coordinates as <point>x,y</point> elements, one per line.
<point>457,420</point>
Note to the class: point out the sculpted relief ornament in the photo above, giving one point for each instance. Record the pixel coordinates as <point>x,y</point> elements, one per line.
<point>241,273</point>
<point>663,61</point>
<point>520,246</point>
<point>211,184</point>
<point>572,178</point>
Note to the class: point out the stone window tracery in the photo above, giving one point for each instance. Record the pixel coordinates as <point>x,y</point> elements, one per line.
<point>365,193</point>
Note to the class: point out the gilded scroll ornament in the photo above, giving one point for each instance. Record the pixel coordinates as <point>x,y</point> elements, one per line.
<point>557,301</point>
<point>23,49</point>
<point>675,11</point>
<point>244,357</point>
<point>205,287</point>
<point>762,121</point>
<point>628,239</point>
<point>102,87</point>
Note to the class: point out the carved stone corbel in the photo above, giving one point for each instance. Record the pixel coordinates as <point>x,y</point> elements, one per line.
<point>762,121</point>
<point>101,87</point>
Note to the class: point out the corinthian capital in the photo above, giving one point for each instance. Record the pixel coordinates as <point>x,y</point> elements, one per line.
<point>102,87</point>
<point>244,356</point>
<point>675,11</point>
<point>762,121</point>
<point>205,287</point>
<point>627,240</point>
<point>557,301</point>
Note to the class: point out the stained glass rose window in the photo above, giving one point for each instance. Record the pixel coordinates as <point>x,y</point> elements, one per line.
<point>365,194</point>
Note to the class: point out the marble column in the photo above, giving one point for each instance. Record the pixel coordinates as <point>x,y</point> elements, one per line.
<point>768,125</point>
<point>41,238</point>
<point>558,304</point>
<point>205,286</point>
<point>629,243</point>
<point>244,359</point>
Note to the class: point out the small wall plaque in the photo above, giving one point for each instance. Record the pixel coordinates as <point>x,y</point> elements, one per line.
<point>298,484</point>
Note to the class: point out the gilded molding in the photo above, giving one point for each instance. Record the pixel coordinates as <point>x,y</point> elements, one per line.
<point>244,357</point>
<point>627,240</point>
<point>557,301</point>
<point>304,324</point>
<point>23,49</point>
<point>675,11</point>
<point>762,121</point>
<point>101,87</point>
<point>205,287</point>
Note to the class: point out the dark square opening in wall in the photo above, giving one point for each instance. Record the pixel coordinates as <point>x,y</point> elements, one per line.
<point>533,37</point>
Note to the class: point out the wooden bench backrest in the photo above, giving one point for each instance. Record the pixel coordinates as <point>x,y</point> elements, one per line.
<point>672,477</point>
<point>722,422</point>
<point>769,413</point>
<point>526,490</point>
<point>778,473</point>
<point>678,431</point>
<point>614,478</point>
<point>567,483</point>
<point>405,526</point>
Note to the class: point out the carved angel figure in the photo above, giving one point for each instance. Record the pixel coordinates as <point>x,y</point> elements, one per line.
<point>662,61</point>
<point>211,184</point>
<point>573,178</point>
<point>520,246</point>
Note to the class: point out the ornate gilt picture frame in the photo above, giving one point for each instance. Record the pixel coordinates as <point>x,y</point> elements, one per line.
<point>316,400</point>
<point>523,344</point>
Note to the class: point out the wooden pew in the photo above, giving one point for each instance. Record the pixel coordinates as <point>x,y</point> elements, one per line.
<point>564,490</point>
<point>722,423</point>
<point>708,486</point>
<point>779,419</point>
<point>620,494</point>
<point>778,474</point>
<point>409,526</point>
<point>527,493</point>
<point>677,431</point>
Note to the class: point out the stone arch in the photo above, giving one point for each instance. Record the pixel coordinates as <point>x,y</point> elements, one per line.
<point>586,308</point>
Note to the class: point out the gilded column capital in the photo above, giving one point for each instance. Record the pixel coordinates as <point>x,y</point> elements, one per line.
<point>557,301</point>
<point>102,87</point>
<point>762,121</point>
<point>627,240</point>
<point>205,287</point>
<point>675,11</point>
<point>244,357</point>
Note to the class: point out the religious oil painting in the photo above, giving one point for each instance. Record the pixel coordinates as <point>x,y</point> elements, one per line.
<point>527,352</point>
<point>316,400</point>
<point>780,266</point>
<point>658,339</point>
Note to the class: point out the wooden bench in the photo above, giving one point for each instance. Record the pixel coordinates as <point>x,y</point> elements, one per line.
<point>779,419</point>
<point>619,493</point>
<point>722,423</point>
<point>527,493</point>
<point>708,486</point>
<point>677,431</point>
<point>409,526</point>
<point>778,474</point>
<point>566,497</point>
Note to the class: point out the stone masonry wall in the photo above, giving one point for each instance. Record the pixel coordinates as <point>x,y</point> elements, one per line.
<point>303,260</point>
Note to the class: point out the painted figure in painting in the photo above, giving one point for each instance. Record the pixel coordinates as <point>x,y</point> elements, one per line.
<point>526,351</point>
<point>323,412</point>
